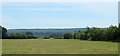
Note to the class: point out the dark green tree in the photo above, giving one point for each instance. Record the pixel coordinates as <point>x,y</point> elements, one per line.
<point>68,36</point>
<point>0,32</point>
<point>4,31</point>
<point>29,33</point>
<point>78,34</point>
<point>75,35</point>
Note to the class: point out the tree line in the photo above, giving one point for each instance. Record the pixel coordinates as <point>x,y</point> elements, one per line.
<point>28,35</point>
<point>112,33</point>
<point>96,34</point>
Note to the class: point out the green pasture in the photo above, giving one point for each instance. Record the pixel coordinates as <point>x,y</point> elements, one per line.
<point>57,46</point>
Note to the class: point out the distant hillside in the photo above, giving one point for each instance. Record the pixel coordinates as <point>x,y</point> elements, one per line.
<point>45,32</point>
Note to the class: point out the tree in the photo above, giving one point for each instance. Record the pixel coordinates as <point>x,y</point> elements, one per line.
<point>75,35</point>
<point>68,36</point>
<point>96,34</point>
<point>4,31</point>
<point>87,35</point>
<point>0,32</point>
<point>18,35</point>
<point>29,33</point>
<point>117,34</point>
<point>12,36</point>
<point>78,34</point>
<point>46,37</point>
<point>111,33</point>
<point>23,37</point>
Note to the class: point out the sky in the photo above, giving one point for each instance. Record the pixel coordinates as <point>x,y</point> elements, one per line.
<point>61,0</point>
<point>16,15</point>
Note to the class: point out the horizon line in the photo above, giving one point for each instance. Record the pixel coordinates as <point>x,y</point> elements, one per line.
<point>56,28</point>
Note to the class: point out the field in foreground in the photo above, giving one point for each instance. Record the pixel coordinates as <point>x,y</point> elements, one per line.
<point>60,46</point>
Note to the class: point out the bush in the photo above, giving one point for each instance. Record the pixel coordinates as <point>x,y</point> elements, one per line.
<point>46,37</point>
<point>20,36</point>
<point>58,37</point>
<point>68,36</point>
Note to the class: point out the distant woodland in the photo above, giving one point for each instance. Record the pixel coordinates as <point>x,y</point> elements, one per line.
<point>92,34</point>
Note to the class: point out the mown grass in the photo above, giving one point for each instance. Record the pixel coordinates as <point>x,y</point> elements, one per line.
<point>57,46</point>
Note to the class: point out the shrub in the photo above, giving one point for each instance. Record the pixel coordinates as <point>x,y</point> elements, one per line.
<point>68,36</point>
<point>46,37</point>
<point>58,37</point>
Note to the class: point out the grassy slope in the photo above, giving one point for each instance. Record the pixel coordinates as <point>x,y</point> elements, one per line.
<point>61,46</point>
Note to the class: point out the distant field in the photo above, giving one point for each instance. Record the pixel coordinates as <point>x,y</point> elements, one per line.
<point>60,46</point>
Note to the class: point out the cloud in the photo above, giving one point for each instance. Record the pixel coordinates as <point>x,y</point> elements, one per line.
<point>93,7</point>
<point>101,6</point>
<point>44,9</point>
<point>56,23</point>
<point>109,10</point>
<point>70,22</point>
<point>89,10</point>
<point>48,21</point>
<point>60,0</point>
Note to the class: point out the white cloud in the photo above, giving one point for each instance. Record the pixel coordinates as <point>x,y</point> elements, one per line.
<point>95,7</point>
<point>60,0</point>
<point>55,23</point>
<point>61,22</point>
<point>109,10</point>
<point>44,9</point>
<point>47,21</point>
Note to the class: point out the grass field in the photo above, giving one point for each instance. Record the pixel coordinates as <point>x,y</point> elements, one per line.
<point>57,46</point>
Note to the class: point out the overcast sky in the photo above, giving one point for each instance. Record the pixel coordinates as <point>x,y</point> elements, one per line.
<point>59,14</point>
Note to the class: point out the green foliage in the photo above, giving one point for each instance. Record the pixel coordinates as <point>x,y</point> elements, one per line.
<point>28,35</point>
<point>75,35</point>
<point>20,36</point>
<point>46,32</point>
<point>68,36</point>
<point>58,37</point>
<point>78,34</point>
<point>117,34</point>
<point>46,37</point>
<point>96,34</point>
<point>3,31</point>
